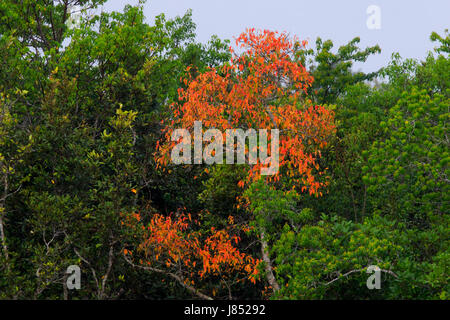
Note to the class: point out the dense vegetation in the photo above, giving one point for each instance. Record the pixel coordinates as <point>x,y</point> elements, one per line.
<point>85,113</point>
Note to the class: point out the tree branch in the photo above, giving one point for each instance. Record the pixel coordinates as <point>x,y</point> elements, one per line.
<point>359,270</point>
<point>179,279</point>
<point>268,264</point>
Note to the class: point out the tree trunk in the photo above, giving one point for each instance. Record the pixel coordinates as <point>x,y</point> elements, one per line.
<point>268,264</point>
<point>2,215</point>
<point>2,234</point>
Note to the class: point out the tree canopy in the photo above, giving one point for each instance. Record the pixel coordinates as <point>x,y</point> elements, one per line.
<point>86,117</point>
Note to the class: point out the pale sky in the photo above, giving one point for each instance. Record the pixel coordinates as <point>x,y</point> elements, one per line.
<point>405,24</point>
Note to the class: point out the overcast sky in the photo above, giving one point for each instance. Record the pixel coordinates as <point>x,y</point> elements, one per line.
<point>405,25</point>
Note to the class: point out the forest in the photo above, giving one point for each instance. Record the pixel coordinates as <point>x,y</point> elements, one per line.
<point>87,116</point>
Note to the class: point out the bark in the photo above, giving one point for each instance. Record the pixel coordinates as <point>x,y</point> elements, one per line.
<point>108,271</point>
<point>268,264</point>
<point>2,234</point>
<point>2,215</point>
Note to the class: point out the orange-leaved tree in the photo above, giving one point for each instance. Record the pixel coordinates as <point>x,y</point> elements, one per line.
<point>264,86</point>
<point>171,247</point>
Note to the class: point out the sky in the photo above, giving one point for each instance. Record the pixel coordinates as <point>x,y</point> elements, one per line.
<point>403,26</point>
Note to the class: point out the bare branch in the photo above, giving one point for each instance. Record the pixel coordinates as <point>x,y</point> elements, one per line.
<point>358,270</point>
<point>179,279</point>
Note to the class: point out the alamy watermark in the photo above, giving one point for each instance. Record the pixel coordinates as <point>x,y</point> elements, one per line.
<point>373,22</point>
<point>214,151</point>
<point>74,19</point>
<point>74,279</point>
<point>374,281</point>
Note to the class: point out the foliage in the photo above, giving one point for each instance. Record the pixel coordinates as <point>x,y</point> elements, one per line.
<point>84,110</point>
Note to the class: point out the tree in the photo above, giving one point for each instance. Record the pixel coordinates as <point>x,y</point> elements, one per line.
<point>171,247</point>
<point>40,25</point>
<point>264,87</point>
<point>333,71</point>
<point>90,111</point>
